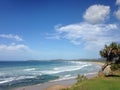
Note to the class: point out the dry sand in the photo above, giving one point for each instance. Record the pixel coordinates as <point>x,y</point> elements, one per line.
<point>99,63</point>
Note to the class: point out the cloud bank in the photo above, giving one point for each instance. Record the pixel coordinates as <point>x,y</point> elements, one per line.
<point>93,36</point>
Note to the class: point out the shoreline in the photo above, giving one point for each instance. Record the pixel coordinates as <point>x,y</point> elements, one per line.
<point>58,84</point>
<point>54,85</point>
<point>46,85</point>
<point>99,63</point>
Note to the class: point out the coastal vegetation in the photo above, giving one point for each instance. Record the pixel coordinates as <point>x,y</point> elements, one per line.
<point>81,78</point>
<point>112,55</point>
<point>106,80</point>
<point>106,83</point>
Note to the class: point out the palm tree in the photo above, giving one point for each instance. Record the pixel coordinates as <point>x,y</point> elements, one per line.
<point>111,53</point>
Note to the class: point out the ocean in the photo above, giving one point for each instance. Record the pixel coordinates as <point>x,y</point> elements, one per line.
<point>22,73</point>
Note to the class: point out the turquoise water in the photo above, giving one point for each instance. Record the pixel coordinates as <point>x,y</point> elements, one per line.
<point>21,73</point>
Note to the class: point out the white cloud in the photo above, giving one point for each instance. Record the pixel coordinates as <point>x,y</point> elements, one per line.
<point>93,36</point>
<point>96,14</point>
<point>13,47</point>
<point>117,14</point>
<point>14,51</point>
<point>117,2</point>
<point>11,36</point>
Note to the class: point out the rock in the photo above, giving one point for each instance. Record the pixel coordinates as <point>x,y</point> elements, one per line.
<point>107,71</point>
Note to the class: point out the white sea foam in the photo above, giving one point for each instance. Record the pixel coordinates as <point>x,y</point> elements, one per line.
<point>29,69</point>
<point>24,77</point>
<point>67,77</point>
<point>64,78</point>
<point>78,62</point>
<point>6,80</point>
<point>64,69</point>
<point>55,68</point>
<point>30,72</point>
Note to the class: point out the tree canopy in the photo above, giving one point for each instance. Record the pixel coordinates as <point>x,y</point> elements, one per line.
<point>111,52</point>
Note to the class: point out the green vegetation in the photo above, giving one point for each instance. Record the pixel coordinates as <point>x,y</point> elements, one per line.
<point>103,82</point>
<point>108,83</point>
<point>98,83</point>
<point>115,67</point>
<point>81,78</point>
<point>111,53</point>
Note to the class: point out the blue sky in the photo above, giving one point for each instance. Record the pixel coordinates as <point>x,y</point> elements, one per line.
<point>52,29</point>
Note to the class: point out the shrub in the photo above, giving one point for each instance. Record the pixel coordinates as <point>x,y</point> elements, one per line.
<point>81,78</point>
<point>115,67</point>
<point>101,74</point>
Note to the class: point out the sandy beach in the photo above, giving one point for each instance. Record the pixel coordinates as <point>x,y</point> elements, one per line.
<point>57,84</point>
<point>54,85</point>
<point>99,63</point>
<point>50,85</point>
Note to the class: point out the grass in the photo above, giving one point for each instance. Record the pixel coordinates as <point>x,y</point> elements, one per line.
<point>99,83</point>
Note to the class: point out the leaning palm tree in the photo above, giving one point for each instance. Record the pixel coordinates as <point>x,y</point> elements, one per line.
<point>111,53</point>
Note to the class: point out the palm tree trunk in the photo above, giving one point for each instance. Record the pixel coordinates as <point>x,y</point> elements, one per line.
<point>104,66</point>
